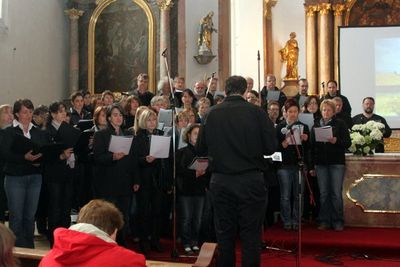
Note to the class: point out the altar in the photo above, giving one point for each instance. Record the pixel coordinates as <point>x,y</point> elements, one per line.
<point>371,190</point>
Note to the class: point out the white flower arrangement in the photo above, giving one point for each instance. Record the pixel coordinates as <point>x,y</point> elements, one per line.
<point>365,137</point>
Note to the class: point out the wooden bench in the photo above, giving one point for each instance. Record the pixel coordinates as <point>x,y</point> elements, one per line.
<point>31,257</point>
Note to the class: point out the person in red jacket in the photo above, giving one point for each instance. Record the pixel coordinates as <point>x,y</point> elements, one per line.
<point>91,242</point>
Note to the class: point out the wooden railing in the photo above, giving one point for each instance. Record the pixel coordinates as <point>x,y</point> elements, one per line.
<point>31,257</point>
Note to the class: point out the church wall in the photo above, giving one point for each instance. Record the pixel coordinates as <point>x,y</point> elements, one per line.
<point>34,52</point>
<point>247,36</point>
<point>195,10</point>
<point>288,16</point>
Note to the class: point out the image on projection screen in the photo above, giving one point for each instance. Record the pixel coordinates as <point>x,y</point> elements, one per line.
<point>387,76</point>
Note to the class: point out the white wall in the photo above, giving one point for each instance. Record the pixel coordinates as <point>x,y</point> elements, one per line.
<point>288,16</point>
<point>247,38</point>
<point>195,11</point>
<point>33,52</point>
<point>247,35</point>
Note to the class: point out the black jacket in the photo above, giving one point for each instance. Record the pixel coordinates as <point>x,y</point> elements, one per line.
<point>327,153</point>
<point>111,177</point>
<point>187,182</point>
<point>76,117</point>
<point>264,97</point>
<point>289,154</point>
<point>235,135</point>
<point>155,174</point>
<point>15,163</point>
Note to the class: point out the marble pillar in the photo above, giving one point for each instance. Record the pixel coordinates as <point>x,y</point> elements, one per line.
<point>268,40</point>
<point>337,21</point>
<point>165,6</point>
<point>324,44</point>
<point>311,50</point>
<point>73,15</point>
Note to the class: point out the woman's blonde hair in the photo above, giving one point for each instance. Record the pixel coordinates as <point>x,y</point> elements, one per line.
<point>7,242</point>
<point>3,109</point>
<point>144,117</point>
<point>330,103</point>
<point>139,112</point>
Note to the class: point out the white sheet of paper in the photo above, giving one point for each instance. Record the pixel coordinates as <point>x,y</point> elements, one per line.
<point>199,164</point>
<point>297,130</point>
<point>160,126</point>
<point>273,95</point>
<point>277,156</point>
<point>181,143</point>
<point>165,116</point>
<point>159,146</point>
<point>120,144</point>
<point>322,134</point>
<point>307,119</point>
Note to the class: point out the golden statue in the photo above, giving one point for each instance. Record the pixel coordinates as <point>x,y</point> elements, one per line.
<point>206,29</point>
<point>290,54</point>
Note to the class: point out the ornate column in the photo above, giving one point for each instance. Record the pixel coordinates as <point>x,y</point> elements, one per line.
<point>338,21</point>
<point>311,50</point>
<point>165,6</point>
<point>324,43</point>
<point>73,15</point>
<point>268,48</point>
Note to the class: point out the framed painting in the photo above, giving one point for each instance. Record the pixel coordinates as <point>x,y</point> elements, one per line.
<point>121,44</point>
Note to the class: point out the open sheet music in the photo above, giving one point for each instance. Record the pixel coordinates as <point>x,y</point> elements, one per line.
<point>199,164</point>
<point>159,146</point>
<point>120,144</point>
<point>322,134</point>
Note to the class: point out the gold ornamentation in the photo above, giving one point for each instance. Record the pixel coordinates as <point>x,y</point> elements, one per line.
<point>338,9</point>
<point>324,8</point>
<point>268,4</point>
<point>310,10</point>
<point>392,145</point>
<point>74,13</point>
<point>102,4</point>
<point>165,4</point>
<point>367,178</point>
<point>290,54</point>
<point>349,6</point>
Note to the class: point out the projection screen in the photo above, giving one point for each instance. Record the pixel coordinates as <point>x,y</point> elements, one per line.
<point>369,65</point>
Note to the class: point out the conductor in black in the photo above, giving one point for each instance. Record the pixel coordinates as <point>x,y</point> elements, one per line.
<point>235,135</point>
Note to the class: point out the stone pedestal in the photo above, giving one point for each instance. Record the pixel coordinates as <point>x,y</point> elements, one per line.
<point>371,190</point>
<point>290,87</point>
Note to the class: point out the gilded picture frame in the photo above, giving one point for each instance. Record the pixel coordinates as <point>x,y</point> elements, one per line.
<point>94,56</point>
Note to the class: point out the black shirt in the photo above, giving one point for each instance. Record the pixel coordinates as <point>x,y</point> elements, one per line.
<point>235,135</point>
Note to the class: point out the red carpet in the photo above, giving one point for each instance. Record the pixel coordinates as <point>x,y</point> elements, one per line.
<point>354,247</point>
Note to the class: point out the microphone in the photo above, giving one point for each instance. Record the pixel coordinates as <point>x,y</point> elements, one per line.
<point>164,53</point>
<point>258,55</point>
<point>284,130</point>
<point>323,84</point>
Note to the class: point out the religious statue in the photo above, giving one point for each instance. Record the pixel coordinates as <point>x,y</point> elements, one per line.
<point>290,54</point>
<point>206,29</point>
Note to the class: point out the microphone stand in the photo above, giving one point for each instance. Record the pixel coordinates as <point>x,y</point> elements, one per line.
<point>174,252</point>
<point>209,84</point>
<point>302,175</point>
<point>258,71</point>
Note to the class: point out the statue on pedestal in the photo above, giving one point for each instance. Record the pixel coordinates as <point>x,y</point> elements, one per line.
<point>204,41</point>
<point>290,54</point>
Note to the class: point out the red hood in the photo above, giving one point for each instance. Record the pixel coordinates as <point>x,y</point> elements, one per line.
<point>72,247</point>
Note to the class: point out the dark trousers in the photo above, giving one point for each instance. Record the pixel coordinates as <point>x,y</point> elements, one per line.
<point>149,201</point>
<point>238,201</point>
<point>123,204</point>
<point>59,206</point>
<point>3,199</point>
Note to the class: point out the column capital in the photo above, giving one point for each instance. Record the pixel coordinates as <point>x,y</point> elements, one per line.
<point>165,4</point>
<point>338,9</point>
<point>74,13</point>
<point>324,8</point>
<point>310,10</point>
<point>268,4</point>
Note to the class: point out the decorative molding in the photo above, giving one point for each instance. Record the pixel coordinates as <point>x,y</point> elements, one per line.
<point>375,193</point>
<point>74,13</point>
<point>310,10</point>
<point>268,5</point>
<point>324,8</point>
<point>165,4</point>
<point>338,9</point>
